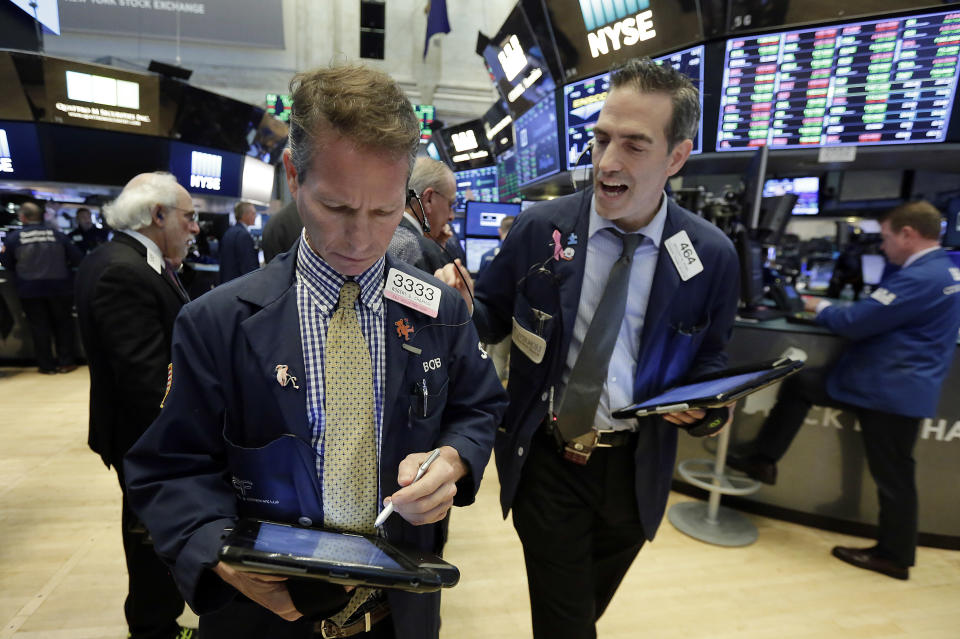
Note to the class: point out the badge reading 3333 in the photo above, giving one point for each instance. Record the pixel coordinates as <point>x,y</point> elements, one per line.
<point>413,292</point>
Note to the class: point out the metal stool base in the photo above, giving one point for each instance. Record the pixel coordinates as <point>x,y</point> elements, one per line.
<point>730,528</point>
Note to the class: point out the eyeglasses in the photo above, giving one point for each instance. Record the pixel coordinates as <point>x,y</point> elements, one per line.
<point>190,215</point>
<point>414,201</point>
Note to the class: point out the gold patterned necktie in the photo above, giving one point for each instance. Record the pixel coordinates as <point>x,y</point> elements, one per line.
<point>349,437</point>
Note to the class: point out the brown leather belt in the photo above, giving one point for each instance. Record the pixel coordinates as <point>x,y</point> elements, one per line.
<point>329,630</point>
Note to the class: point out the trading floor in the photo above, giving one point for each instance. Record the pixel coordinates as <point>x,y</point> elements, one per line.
<point>62,569</point>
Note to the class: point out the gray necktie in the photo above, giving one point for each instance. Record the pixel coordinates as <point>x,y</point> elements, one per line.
<point>582,395</point>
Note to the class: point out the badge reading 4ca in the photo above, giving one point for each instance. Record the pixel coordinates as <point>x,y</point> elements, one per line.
<point>413,292</point>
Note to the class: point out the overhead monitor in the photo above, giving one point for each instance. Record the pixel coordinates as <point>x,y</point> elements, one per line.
<point>889,81</point>
<point>860,186</point>
<point>483,218</point>
<point>516,64</point>
<point>508,184</point>
<point>466,145</point>
<point>205,170</point>
<point>426,114</point>
<point>433,151</point>
<point>582,101</point>
<point>593,36</point>
<point>476,184</point>
<point>807,190</point>
<point>258,180</point>
<point>537,142</point>
<point>745,16</point>
<point>20,157</point>
<point>498,126</point>
<point>279,105</point>
<point>475,248</point>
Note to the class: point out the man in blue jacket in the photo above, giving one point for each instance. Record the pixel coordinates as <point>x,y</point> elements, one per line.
<point>610,296</point>
<point>903,338</point>
<point>310,393</point>
<point>238,253</point>
<point>42,260</point>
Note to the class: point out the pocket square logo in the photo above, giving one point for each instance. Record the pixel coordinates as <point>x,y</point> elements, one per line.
<point>608,25</point>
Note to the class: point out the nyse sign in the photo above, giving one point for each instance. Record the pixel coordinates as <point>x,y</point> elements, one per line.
<point>464,141</point>
<point>6,161</point>
<point>626,32</point>
<point>205,170</point>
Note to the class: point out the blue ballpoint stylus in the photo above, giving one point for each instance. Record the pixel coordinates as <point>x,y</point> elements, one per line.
<point>382,517</point>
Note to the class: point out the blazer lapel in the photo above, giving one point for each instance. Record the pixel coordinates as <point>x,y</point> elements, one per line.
<point>666,281</point>
<point>570,273</point>
<point>273,333</point>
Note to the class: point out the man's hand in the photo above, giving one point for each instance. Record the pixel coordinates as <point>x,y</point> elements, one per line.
<point>810,303</point>
<point>445,234</point>
<point>450,275</point>
<point>267,590</point>
<point>428,499</point>
<point>685,418</point>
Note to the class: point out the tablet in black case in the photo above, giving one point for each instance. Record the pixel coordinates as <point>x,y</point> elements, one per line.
<point>343,558</point>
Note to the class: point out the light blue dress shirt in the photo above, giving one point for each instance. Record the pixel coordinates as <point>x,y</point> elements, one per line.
<point>603,249</point>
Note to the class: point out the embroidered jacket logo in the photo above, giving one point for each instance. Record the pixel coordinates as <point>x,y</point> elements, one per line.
<point>6,161</point>
<point>205,170</point>
<point>609,27</point>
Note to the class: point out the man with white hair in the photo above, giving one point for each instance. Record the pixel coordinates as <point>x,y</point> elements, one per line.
<point>128,295</point>
<point>417,240</point>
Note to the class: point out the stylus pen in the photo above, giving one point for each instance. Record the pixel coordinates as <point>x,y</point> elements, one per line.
<point>382,517</point>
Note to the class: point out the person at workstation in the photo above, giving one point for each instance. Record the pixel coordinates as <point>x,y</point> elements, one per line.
<point>611,295</point>
<point>310,392</point>
<point>503,231</point>
<point>413,242</point>
<point>238,251</point>
<point>88,236</point>
<point>903,337</point>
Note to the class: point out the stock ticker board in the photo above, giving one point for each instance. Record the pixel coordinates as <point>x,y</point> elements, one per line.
<point>888,81</point>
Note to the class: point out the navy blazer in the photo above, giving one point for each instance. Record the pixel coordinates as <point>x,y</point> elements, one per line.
<point>232,442</point>
<point>238,254</point>
<point>905,335</point>
<point>685,331</point>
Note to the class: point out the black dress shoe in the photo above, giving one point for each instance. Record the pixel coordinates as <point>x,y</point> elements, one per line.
<point>755,466</point>
<point>67,369</point>
<point>867,558</point>
<point>47,371</point>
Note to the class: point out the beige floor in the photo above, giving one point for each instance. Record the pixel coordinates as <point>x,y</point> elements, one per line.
<point>62,572</point>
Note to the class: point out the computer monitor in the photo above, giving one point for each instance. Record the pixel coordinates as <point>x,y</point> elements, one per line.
<point>951,234</point>
<point>751,255</point>
<point>774,217</point>
<point>476,247</point>
<point>807,190</point>
<point>857,83</point>
<point>476,184</point>
<point>752,193</point>
<point>483,218</point>
<point>871,268</point>
<point>536,141</point>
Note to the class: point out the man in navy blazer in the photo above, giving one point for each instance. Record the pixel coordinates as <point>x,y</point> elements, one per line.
<point>582,525</point>
<point>241,433</point>
<point>238,253</point>
<point>903,338</point>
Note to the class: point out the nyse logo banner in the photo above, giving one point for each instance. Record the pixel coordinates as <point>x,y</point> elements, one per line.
<point>205,170</point>
<point>6,160</point>
<point>613,24</point>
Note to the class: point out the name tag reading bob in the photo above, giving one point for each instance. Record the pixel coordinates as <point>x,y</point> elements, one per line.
<point>413,292</point>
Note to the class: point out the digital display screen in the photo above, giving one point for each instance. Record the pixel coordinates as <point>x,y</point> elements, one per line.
<point>476,184</point>
<point>807,190</point>
<point>497,125</point>
<point>457,226</point>
<point>507,181</point>
<point>475,250</point>
<point>516,64</point>
<point>426,113</point>
<point>593,36</point>
<point>483,218</point>
<point>204,170</point>
<point>20,157</point>
<point>466,145</point>
<point>433,152</point>
<point>583,100</point>
<point>886,81</point>
<point>322,545</point>
<point>536,142</point>
<point>280,105</point>
<point>700,390</point>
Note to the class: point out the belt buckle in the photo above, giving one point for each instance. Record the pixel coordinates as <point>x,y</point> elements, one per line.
<point>600,444</point>
<point>579,449</point>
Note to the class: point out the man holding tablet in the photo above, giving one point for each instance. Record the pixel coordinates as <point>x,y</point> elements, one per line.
<point>311,391</point>
<point>610,296</point>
